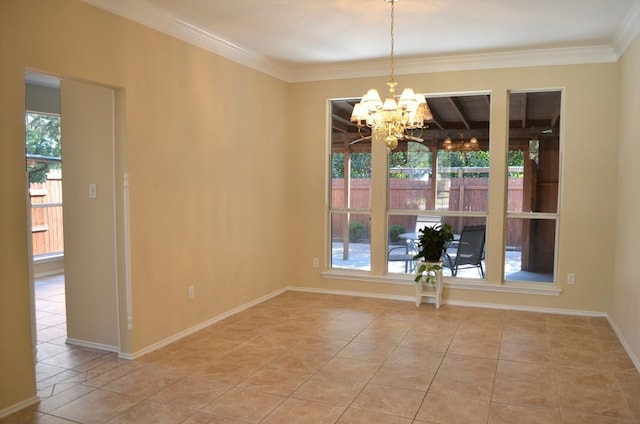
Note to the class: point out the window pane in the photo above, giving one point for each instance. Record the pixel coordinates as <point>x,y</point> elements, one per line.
<point>446,166</point>
<point>350,197</point>
<point>463,181</point>
<point>43,148</point>
<point>401,248</point>
<point>465,256</point>
<point>530,250</point>
<point>46,229</point>
<point>351,241</point>
<point>355,190</point>
<point>534,151</point>
<point>403,235</point>
<point>459,184</point>
<point>410,178</point>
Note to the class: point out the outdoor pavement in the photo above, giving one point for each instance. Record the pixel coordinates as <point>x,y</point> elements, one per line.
<point>360,258</point>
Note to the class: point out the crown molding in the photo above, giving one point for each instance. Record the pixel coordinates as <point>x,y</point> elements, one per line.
<point>628,31</point>
<point>149,15</point>
<point>508,59</point>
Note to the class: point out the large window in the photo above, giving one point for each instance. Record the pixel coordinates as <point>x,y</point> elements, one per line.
<point>533,186</point>
<point>443,174</point>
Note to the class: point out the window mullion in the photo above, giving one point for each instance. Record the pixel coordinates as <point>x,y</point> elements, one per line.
<point>379,165</point>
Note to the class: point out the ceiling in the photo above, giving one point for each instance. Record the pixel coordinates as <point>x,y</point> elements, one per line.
<point>296,40</point>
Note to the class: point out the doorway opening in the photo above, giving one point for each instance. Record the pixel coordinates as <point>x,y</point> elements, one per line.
<point>73,281</point>
<point>44,167</point>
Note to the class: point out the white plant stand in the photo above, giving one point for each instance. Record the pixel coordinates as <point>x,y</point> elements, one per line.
<point>427,290</point>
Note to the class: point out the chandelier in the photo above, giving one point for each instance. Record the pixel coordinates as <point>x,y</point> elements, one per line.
<point>394,119</point>
<point>461,145</point>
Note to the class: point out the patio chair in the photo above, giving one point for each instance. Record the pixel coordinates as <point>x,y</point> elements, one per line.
<point>404,254</point>
<point>469,251</point>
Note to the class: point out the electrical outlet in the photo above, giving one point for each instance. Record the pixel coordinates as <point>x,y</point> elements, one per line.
<point>571,278</point>
<point>316,263</point>
<point>192,292</point>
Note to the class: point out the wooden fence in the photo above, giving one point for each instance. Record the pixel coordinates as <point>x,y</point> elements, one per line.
<point>457,194</point>
<point>46,214</point>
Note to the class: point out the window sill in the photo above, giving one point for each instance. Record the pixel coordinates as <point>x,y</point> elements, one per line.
<point>544,289</point>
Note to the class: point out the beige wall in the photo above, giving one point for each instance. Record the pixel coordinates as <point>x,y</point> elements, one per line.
<point>208,190</point>
<point>589,169</point>
<point>624,308</point>
<point>238,210</point>
<point>89,222</point>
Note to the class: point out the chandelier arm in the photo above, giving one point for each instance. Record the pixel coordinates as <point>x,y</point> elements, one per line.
<point>413,134</point>
<point>360,131</point>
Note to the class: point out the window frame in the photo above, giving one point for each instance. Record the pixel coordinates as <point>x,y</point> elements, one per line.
<point>553,216</point>
<point>380,212</point>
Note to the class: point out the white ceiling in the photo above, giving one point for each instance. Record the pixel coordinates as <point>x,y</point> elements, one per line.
<point>298,40</point>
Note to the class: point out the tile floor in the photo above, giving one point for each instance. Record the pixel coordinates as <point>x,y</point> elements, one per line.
<point>314,358</point>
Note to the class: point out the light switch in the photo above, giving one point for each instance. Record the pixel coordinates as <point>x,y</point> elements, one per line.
<point>92,191</point>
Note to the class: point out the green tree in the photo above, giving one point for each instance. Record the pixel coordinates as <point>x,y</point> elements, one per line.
<point>360,165</point>
<point>516,158</point>
<point>416,161</point>
<point>42,138</point>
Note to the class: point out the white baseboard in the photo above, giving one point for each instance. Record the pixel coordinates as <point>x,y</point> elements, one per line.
<point>626,346</point>
<point>453,302</point>
<point>198,327</point>
<point>352,293</point>
<point>91,345</point>
<point>575,312</point>
<point>18,407</point>
<point>48,265</point>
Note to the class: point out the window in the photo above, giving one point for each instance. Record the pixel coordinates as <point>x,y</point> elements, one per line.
<point>439,176</point>
<point>350,203</point>
<point>533,186</point>
<point>442,175</point>
<point>45,182</point>
<point>442,178</point>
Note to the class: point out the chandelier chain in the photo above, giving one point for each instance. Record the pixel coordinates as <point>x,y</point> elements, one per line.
<point>393,3</point>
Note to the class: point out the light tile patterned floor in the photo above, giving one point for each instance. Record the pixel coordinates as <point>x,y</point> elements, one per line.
<point>313,358</point>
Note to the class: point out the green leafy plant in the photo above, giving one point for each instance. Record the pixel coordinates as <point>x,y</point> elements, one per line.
<point>432,242</point>
<point>395,231</point>
<point>428,272</point>
<point>356,231</point>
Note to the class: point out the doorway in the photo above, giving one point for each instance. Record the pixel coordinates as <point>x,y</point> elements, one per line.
<point>87,287</point>
<point>43,160</point>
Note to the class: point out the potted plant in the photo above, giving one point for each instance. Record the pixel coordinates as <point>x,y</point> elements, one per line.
<point>431,243</point>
